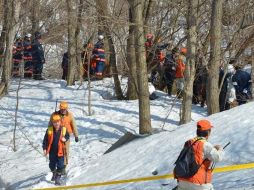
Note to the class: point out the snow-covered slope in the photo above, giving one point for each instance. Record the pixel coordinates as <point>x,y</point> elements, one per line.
<point>27,168</point>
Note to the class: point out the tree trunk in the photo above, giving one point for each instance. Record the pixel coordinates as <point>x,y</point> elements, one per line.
<point>78,41</point>
<point>102,6</point>
<point>71,41</point>
<point>12,10</point>
<point>132,92</point>
<point>143,93</point>
<point>148,8</point>
<point>190,65</point>
<point>35,17</point>
<point>215,58</point>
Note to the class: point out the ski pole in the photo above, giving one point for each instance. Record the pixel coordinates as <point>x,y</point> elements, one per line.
<point>56,105</point>
<point>213,165</point>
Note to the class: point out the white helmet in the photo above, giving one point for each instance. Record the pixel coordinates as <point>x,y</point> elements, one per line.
<point>18,36</point>
<point>100,37</point>
<point>28,35</point>
<point>231,69</point>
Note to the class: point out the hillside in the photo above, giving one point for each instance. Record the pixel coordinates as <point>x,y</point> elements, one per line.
<point>27,168</point>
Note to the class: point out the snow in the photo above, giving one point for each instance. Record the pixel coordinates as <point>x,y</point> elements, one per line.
<point>27,168</point>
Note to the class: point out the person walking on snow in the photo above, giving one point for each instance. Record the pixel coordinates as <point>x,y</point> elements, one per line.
<point>53,144</point>
<point>67,121</point>
<point>205,154</point>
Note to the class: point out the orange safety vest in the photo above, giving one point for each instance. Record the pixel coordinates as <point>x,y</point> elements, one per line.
<point>60,143</point>
<point>66,122</point>
<point>180,69</point>
<point>204,174</point>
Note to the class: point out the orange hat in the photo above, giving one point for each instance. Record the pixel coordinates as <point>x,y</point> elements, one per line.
<point>204,125</point>
<point>183,50</point>
<point>63,105</point>
<point>56,118</point>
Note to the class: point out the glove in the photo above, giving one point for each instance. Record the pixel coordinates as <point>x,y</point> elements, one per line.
<point>76,139</point>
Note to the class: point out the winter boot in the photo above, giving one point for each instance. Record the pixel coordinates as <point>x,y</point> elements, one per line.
<point>64,170</point>
<point>58,179</point>
<point>53,176</point>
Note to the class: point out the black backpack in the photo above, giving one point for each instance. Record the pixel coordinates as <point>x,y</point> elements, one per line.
<point>186,165</point>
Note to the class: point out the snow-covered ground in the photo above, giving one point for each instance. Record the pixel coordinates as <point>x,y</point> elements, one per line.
<point>27,168</point>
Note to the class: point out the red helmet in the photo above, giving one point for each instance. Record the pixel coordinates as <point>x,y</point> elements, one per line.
<point>149,36</point>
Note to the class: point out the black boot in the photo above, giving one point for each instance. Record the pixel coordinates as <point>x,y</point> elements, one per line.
<point>58,179</point>
<point>53,176</point>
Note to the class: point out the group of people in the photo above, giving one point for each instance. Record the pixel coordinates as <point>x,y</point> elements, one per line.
<point>97,59</point>
<point>169,69</point>
<point>31,53</point>
<point>56,141</point>
<point>165,69</point>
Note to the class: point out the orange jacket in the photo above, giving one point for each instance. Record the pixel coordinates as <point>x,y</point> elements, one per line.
<point>60,143</point>
<point>68,122</point>
<point>180,68</point>
<point>204,174</point>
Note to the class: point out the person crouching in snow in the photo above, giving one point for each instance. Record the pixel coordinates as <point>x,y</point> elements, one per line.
<point>54,145</point>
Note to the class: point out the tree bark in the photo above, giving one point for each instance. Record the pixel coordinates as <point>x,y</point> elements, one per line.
<point>78,41</point>
<point>35,17</point>
<point>12,11</point>
<point>143,93</point>
<point>148,8</point>
<point>71,41</point>
<point>215,58</point>
<point>132,91</point>
<point>190,68</point>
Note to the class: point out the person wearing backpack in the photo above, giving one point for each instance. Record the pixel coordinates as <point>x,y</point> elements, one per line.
<point>194,165</point>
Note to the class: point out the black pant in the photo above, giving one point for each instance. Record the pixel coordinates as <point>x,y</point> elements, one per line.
<point>38,67</point>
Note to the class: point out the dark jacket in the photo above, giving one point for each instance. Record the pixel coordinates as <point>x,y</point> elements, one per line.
<point>18,50</point>
<point>56,136</point>
<point>241,81</point>
<point>99,52</point>
<point>65,60</point>
<point>37,52</point>
<point>28,53</point>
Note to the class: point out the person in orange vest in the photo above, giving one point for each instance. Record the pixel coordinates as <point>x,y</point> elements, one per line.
<point>67,121</point>
<point>53,144</point>
<point>205,154</point>
<point>180,68</point>
<point>17,55</point>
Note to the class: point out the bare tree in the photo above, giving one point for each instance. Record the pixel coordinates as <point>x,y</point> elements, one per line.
<point>190,68</point>
<point>11,17</point>
<point>215,58</point>
<point>71,9</point>
<point>132,92</point>
<point>143,93</point>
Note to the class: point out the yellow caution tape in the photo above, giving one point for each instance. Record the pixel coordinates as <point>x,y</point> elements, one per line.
<point>150,178</point>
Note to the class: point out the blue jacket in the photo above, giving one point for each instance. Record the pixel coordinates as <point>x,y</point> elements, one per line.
<point>99,52</point>
<point>38,52</point>
<point>28,53</point>
<point>241,81</point>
